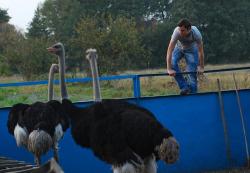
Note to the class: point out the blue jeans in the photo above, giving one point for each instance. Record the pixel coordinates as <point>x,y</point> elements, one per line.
<point>191,57</point>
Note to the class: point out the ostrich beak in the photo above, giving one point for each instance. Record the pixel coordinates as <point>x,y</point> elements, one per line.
<point>51,50</point>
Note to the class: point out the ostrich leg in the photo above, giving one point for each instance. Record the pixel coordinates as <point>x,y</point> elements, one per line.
<point>150,165</point>
<point>38,160</point>
<point>56,156</point>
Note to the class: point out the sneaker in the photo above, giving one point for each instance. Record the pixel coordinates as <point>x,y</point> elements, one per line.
<point>185,92</point>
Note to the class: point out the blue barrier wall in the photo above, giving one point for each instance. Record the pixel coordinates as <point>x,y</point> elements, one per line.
<point>194,120</point>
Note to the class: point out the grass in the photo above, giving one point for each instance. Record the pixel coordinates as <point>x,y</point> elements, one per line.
<point>150,86</point>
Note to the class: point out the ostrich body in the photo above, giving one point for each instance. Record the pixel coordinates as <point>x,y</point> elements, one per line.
<point>122,134</point>
<point>39,126</point>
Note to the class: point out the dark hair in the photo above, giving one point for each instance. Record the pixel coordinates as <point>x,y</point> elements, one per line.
<point>185,23</point>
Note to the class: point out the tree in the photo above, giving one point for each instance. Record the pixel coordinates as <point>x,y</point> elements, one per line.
<point>61,17</point>
<point>57,19</point>
<point>156,41</point>
<point>38,27</point>
<point>139,9</point>
<point>9,39</point>
<point>4,17</point>
<point>30,57</point>
<point>118,44</point>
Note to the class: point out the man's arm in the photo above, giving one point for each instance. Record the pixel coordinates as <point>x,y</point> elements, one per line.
<point>201,58</point>
<point>171,46</point>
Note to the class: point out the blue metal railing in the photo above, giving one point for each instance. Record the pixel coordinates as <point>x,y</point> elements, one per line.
<point>135,78</point>
<point>75,80</point>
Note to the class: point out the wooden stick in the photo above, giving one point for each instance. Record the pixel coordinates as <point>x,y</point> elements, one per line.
<point>222,113</point>
<point>242,120</point>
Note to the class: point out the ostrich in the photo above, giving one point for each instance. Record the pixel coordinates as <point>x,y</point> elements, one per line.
<point>149,164</point>
<point>53,69</point>
<point>38,126</point>
<point>58,49</point>
<point>122,134</point>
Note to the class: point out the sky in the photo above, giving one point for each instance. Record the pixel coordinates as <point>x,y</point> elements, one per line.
<point>20,11</point>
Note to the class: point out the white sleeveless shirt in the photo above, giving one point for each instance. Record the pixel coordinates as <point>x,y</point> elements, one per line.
<point>191,40</point>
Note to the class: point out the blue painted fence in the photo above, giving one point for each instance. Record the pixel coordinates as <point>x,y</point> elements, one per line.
<point>195,121</point>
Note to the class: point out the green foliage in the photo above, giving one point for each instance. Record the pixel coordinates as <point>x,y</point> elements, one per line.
<point>9,39</point>
<point>19,55</point>
<point>128,34</point>
<point>36,59</point>
<point>4,17</point>
<point>117,41</point>
<point>138,9</point>
<point>156,41</point>
<point>30,57</point>
<point>38,27</point>
<point>60,17</point>
<point>8,35</point>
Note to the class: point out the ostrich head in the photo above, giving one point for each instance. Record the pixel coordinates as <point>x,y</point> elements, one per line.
<point>91,54</point>
<point>57,49</point>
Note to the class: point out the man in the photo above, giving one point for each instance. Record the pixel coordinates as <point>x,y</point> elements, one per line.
<point>186,41</point>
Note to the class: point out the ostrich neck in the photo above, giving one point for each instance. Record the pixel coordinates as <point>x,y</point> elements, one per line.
<point>95,76</point>
<point>51,84</point>
<point>64,93</point>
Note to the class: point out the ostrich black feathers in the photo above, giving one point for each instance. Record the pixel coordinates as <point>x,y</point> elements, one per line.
<point>116,131</point>
<point>62,116</point>
<point>34,116</point>
<point>16,111</point>
<point>38,126</point>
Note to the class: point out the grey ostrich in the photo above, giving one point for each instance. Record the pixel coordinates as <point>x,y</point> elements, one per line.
<point>58,49</point>
<point>54,68</point>
<point>39,126</point>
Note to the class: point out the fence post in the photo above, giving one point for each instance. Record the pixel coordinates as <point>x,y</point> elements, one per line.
<point>136,85</point>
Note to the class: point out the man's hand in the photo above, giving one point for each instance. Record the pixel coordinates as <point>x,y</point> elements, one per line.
<point>200,70</point>
<point>171,72</point>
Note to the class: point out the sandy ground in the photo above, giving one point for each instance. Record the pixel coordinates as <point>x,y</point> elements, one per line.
<point>242,170</point>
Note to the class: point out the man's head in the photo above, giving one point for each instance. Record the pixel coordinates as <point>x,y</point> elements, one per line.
<point>184,27</point>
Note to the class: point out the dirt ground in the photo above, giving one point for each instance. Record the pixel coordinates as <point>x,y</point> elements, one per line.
<point>241,170</point>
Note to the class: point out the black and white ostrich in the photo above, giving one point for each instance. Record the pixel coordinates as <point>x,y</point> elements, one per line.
<point>148,163</point>
<point>38,126</point>
<point>122,134</point>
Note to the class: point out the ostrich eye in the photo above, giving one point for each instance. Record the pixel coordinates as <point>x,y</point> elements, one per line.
<point>57,47</point>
